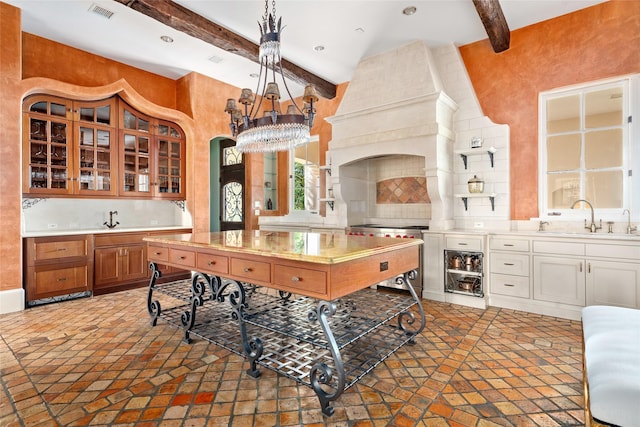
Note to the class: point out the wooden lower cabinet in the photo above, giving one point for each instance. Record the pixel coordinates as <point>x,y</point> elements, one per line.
<point>121,262</point>
<point>56,267</point>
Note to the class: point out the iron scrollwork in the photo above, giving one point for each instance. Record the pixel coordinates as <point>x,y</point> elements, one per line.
<point>321,375</point>
<point>153,306</point>
<point>408,317</point>
<point>199,284</point>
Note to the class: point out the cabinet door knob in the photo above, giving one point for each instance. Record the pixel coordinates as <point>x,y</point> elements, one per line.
<point>247,270</point>
<point>62,279</point>
<point>295,279</point>
<point>181,257</point>
<point>211,263</point>
<point>157,253</point>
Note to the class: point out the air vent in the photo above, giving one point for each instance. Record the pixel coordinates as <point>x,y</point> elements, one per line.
<point>99,10</point>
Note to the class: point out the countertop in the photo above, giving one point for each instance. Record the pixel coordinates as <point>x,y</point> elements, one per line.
<point>598,236</point>
<point>68,232</point>
<point>323,248</point>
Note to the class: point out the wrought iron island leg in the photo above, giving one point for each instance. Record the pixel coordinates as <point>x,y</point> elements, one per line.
<point>252,347</point>
<point>199,284</point>
<point>327,387</point>
<point>408,316</point>
<point>153,307</point>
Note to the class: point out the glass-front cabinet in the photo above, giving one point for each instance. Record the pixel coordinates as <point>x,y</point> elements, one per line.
<point>87,148</point>
<point>153,156</point>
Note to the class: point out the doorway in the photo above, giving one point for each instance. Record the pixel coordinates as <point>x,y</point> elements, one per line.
<point>232,187</point>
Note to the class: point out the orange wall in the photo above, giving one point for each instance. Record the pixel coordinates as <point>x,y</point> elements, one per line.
<point>594,43</point>
<point>10,191</point>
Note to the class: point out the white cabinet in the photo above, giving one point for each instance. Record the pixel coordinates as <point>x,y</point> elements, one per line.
<point>613,275</point>
<point>559,280</point>
<point>509,267</point>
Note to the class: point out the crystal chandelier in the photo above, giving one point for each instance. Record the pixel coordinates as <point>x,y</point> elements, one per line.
<point>262,128</point>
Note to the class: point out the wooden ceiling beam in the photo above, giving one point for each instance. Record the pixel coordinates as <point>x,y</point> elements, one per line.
<point>494,23</point>
<point>186,21</point>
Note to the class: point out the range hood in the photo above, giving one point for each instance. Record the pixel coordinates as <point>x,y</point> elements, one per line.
<point>394,108</point>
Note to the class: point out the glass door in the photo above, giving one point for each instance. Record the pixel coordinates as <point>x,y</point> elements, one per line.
<point>171,160</point>
<point>48,143</point>
<point>135,154</point>
<point>96,145</point>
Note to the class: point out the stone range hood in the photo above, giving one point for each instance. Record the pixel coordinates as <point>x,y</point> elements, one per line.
<point>394,107</point>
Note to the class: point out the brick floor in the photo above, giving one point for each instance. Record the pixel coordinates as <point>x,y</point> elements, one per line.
<point>98,361</point>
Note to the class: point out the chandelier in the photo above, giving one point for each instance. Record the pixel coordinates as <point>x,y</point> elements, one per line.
<point>262,126</point>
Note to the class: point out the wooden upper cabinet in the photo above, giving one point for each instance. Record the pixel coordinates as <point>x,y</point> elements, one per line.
<point>152,158</point>
<point>101,148</point>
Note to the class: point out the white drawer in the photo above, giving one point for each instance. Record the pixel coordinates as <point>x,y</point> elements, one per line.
<point>508,263</point>
<point>560,248</point>
<point>464,243</point>
<point>614,251</point>
<point>508,244</point>
<point>512,286</point>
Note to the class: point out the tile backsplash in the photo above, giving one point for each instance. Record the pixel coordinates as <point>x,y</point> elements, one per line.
<point>402,190</point>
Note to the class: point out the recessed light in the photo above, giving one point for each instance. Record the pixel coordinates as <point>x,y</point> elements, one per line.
<point>166,39</point>
<point>254,75</point>
<point>215,59</point>
<point>409,10</point>
<point>359,30</point>
<point>319,48</point>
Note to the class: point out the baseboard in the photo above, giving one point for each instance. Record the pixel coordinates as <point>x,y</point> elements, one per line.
<point>11,300</point>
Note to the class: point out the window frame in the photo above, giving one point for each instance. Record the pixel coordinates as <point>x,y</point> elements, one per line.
<point>631,150</point>
<point>300,213</point>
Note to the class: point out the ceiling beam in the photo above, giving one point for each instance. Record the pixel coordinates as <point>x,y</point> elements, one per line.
<point>186,21</point>
<point>494,23</point>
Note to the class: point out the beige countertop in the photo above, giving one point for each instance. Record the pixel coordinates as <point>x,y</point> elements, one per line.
<point>68,232</point>
<point>323,248</point>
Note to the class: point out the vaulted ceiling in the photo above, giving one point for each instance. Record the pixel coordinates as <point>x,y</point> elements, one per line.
<point>322,42</point>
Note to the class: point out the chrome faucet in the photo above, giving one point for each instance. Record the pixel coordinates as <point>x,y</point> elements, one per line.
<point>592,227</point>
<point>111,224</point>
<point>542,224</point>
<point>629,228</point>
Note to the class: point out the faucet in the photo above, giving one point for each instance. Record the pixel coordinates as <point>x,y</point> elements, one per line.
<point>629,228</point>
<point>542,224</point>
<point>111,224</point>
<point>592,227</point>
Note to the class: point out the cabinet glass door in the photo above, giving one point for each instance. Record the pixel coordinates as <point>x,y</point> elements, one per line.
<point>171,160</point>
<point>48,145</point>
<point>95,141</point>
<point>136,154</point>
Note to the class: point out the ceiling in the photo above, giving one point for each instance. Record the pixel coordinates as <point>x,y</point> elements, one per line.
<point>348,30</point>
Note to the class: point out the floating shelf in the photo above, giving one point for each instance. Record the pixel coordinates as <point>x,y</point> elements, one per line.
<point>465,197</point>
<point>474,152</point>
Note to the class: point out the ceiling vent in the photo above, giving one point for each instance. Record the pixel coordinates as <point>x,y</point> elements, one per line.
<point>99,10</point>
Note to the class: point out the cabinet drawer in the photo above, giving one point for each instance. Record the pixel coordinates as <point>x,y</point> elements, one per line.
<point>118,239</point>
<point>251,270</point>
<point>614,251</point>
<point>62,249</point>
<point>61,280</point>
<point>212,263</point>
<point>182,257</point>
<point>501,244</point>
<point>508,263</point>
<point>464,243</point>
<point>157,253</point>
<point>560,248</point>
<point>512,286</point>
<point>301,278</point>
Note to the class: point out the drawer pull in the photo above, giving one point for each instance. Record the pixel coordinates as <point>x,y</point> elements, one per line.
<point>462,244</point>
<point>62,249</point>
<point>509,263</point>
<point>247,270</point>
<point>62,279</point>
<point>157,253</point>
<point>295,279</point>
<point>509,285</point>
<point>211,263</point>
<point>182,257</point>
<point>508,245</point>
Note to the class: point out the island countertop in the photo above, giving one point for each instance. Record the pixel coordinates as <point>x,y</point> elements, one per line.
<point>320,265</point>
<point>323,248</point>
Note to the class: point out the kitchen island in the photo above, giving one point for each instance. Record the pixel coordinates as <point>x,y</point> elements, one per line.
<point>295,302</point>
